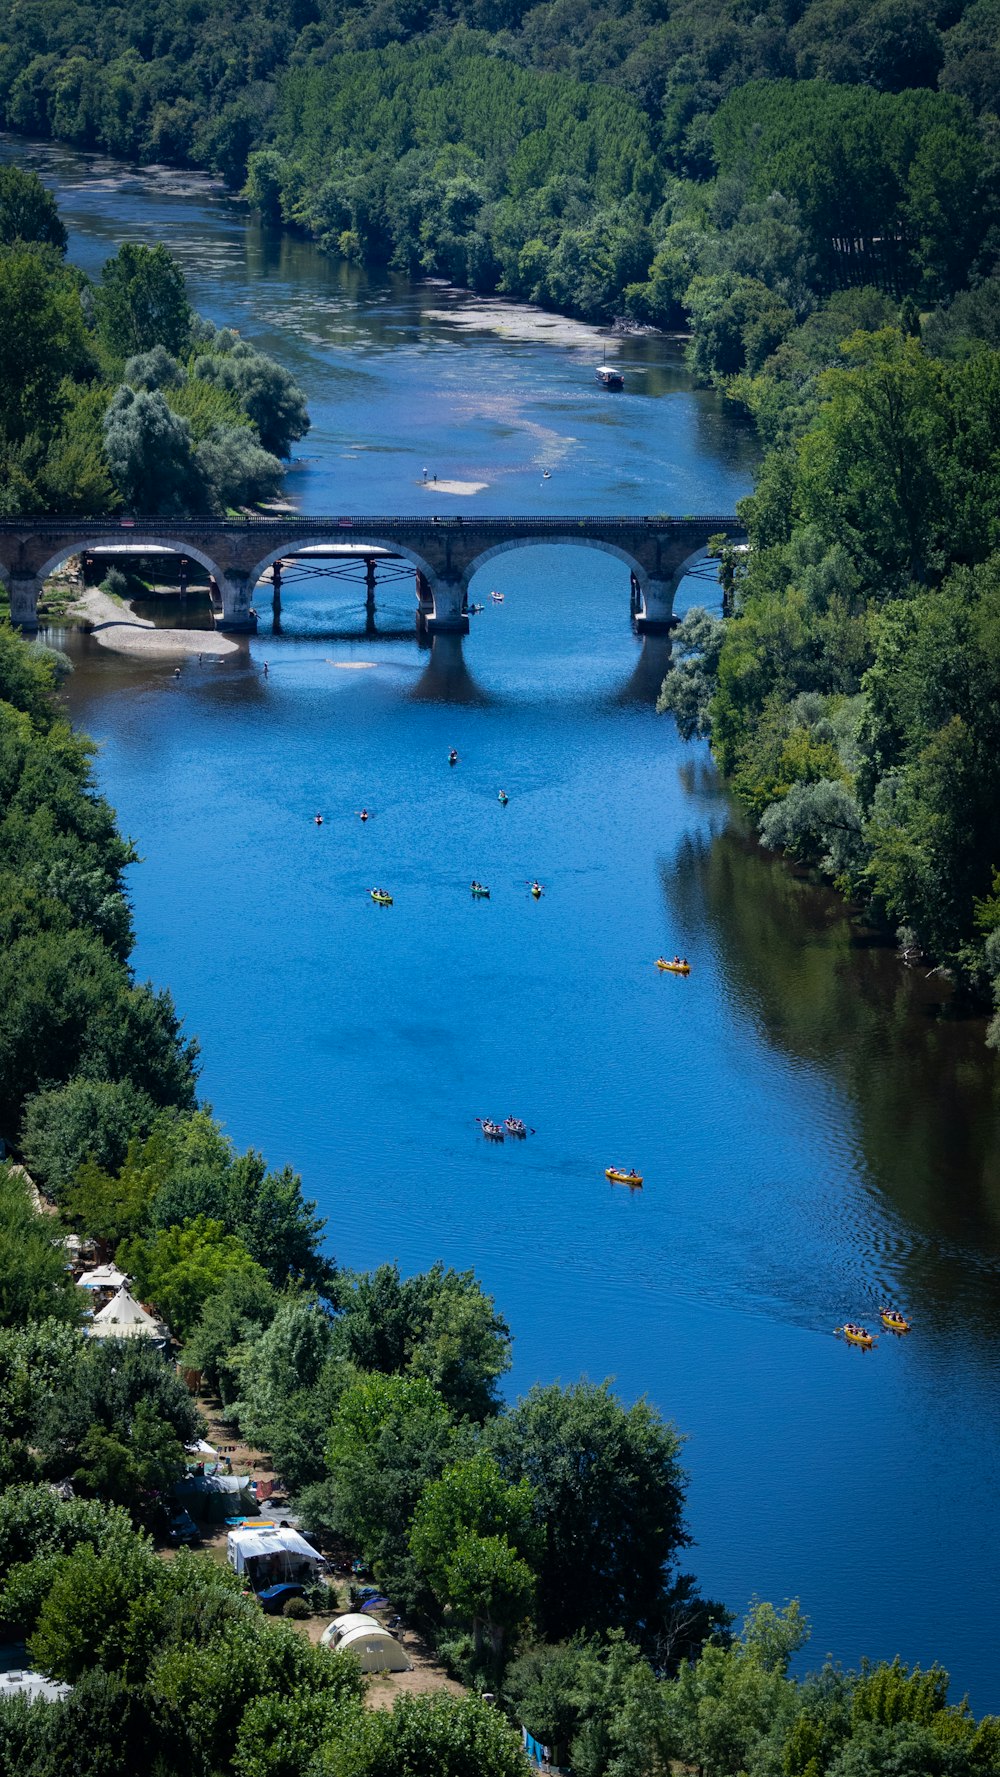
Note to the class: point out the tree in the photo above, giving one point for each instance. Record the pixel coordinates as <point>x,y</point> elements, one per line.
<point>597,1705</point>
<point>472,1498</point>
<point>117,1422</point>
<point>278,1226</point>
<point>34,1360</point>
<point>609,1494</point>
<point>93,1119</point>
<point>43,340</point>
<point>180,1268</point>
<point>67,1007</point>
<point>34,1282</point>
<point>489,1585</point>
<point>869,466</point>
<point>87,1619</point>
<point>267,393</point>
<point>690,683</point>
<point>141,302</point>
<point>28,212</point>
<point>235,470</point>
<point>439,1324</point>
<point>278,1736</point>
<point>155,369</point>
<point>105,1728</point>
<point>427,1737</point>
<point>723,1707</point>
<point>476,1538</point>
<point>35,1522</point>
<point>135,1470</point>
<point>214,1679</point>
<point>27,680</point>
<point>241,1309</point>
<point>819,823</point>
<point>390,1436</point>
<point>150,454</point>
<point>289,1387</point>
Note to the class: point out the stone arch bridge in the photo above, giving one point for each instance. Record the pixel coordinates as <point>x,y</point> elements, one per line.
<point>445,553</point>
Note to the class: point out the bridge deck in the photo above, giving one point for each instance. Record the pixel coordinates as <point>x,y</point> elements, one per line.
<point>202,526</point>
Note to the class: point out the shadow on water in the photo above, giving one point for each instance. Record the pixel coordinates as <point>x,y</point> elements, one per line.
<point>646,679</point>
<point>826,991</point>
<point>446,677</point>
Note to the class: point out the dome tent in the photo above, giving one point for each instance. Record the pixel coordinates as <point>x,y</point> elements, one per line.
<point>374,1647</point>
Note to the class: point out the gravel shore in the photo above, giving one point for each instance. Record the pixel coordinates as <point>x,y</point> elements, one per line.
<point>116,626</point>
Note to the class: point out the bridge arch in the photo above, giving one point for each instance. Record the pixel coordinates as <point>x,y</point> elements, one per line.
<point>318,540</point>
<point>545,538</point>
<point>652,594</point>
<point>136,539</point>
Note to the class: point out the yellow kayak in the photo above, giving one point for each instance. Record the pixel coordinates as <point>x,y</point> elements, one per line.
<point>381,898</point>
<point>857,1336</point>
<point>617,1177</point>
<point>673,968</point>
<point>896,1322</point>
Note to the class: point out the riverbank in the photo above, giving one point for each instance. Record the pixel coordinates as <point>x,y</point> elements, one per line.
<point>113,624</point>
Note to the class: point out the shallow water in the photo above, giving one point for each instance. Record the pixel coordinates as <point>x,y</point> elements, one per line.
<point>816,1133</point>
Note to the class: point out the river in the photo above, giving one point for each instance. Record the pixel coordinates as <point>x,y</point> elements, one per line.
<point>815,1130</point>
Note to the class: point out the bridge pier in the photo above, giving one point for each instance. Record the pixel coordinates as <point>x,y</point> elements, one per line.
<point>653,610</point>
<point>24,591</point>
<point>449,614</point>
<point>235,591</point>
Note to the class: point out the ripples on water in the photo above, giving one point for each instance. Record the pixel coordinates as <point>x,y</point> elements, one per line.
<point>816,1131</point>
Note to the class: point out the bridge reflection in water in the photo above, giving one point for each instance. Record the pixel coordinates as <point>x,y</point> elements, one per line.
<point>441,553</point>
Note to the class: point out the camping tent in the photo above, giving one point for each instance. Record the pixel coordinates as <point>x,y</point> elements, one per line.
<point>371,1643</point>
<point>124,1318</point>
<point>213,1498</point>
<point>272,1554</point>
<point>103,1277</point>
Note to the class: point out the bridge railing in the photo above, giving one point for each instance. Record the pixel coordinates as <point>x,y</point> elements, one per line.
<point>201,526</point>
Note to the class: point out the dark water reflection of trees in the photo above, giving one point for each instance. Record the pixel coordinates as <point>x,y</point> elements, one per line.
<point>923,1089</point>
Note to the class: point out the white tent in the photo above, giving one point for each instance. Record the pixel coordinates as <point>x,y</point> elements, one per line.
<point>103,1277</point>
<point>124,1318</point>
<point>201,1447</point>
<point>370,1642</point>
<point>272,1554</point>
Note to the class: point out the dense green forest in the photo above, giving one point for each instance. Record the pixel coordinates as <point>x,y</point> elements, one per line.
<point>115,394</point>
<point>538,1544</point>
<point>606,158</point>
<point>852,695</point>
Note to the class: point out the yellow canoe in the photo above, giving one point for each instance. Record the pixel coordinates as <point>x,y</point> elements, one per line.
<point>673,968</point>
<point>381,899</point>
<point>858,1336</point>
<point>894,1321</point>
<point>617,1177</point>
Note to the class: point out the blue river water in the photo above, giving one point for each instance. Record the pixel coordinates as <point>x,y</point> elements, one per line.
<point>816,1131</point>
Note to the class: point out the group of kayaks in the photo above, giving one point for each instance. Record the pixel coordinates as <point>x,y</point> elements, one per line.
<point>515,1127</point>
<point>892,1320</point>
<point>480,892</point>
<point>512,1126</point>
